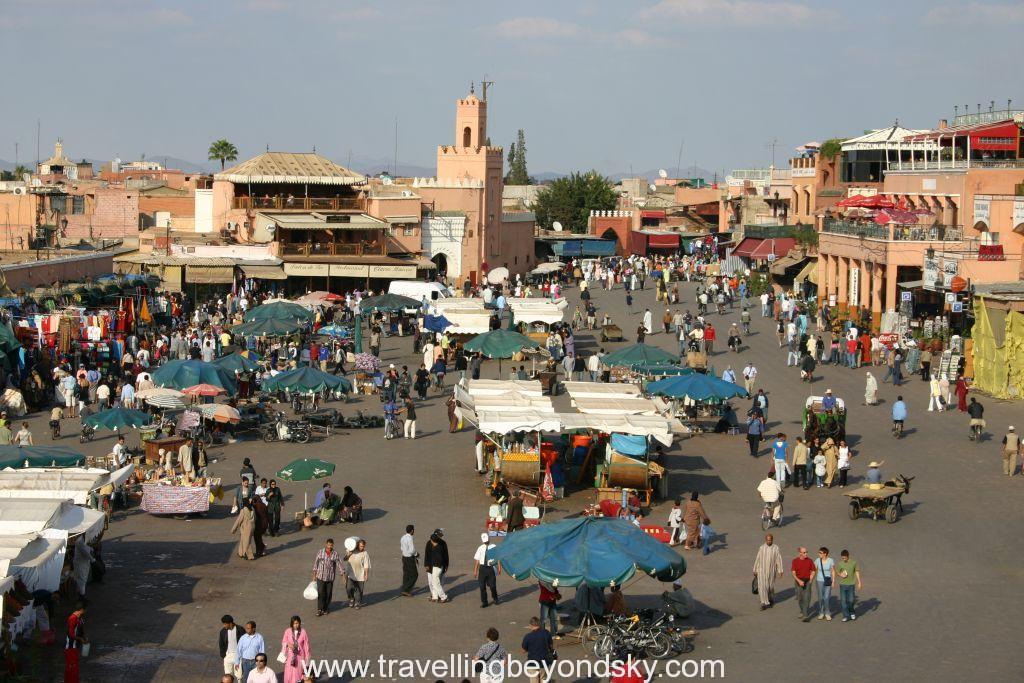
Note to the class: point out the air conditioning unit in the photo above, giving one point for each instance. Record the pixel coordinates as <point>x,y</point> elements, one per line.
<point>406,193</point>
<point>20,190</point>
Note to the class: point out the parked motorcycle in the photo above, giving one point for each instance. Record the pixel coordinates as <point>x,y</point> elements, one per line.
<point>88,434</point>
<point>294,431</point>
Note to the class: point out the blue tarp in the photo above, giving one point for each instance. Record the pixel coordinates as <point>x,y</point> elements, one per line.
<point>436,323</point>
<point>629,444</point>
<point>584,247</point>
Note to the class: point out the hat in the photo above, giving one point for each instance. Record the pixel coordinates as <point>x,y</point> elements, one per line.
<point>438,532</point>
<point>484,537</point>
<point>162,452</point>
<point>1011,428</point>
<point>391,367</point>
<point>828,391</point>
<point>875,463</point>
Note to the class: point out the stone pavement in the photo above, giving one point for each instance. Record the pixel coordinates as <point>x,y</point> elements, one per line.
<point>940,596</point>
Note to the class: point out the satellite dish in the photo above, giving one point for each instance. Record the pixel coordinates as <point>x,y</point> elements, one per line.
<point>654,188</point>
<point>26,178</point>
<point>556,226</point>
<point>662,173</point>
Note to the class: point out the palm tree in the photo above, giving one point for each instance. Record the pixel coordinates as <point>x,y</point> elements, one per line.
<point>223,150</point>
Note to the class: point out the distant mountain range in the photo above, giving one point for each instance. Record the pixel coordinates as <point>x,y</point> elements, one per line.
<point>371,165</point>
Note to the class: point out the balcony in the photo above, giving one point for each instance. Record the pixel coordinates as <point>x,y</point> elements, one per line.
<point>300,203</point>
<point>895,233</point>
<point>313,249</point>
<point>949,165</point>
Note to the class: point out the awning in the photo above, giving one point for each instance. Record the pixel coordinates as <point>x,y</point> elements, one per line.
<point>210,275</point>
<point>584,247</point>
<point>264,272</point>
<point>809,272</point>
<point>776,247</point>
<point>652,213</point>
<point>780,266</point>
<point>666,240</point>
<point>400,220</point>
<point>912,284</point>
<point>747,247</point>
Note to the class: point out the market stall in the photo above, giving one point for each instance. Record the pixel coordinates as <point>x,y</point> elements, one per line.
<point>174,496</point>
<point>74,484</point>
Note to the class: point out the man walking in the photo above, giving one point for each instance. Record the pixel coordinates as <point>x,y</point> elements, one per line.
<point>849,582</point>
<point>230,634</point>
<point>435,561</point>
<point>1011,447</point>
<point>73,642</point>
<point>767,568</point>
<point>779,455</point>
<point>755,432</point>
<point>250,645</point>
<point>409,555</point>
<point>485,570</point>
<point>410,418</point>
<point>803,571</point>
<point>326,567</point>
<point>749,377</point>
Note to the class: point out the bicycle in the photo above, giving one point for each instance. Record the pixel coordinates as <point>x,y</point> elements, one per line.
<point>975,434</point>
<point>768,518</point>
<point>897,429</point>
<point>55,429</point>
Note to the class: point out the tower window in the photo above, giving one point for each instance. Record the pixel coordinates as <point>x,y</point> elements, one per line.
<point>467,136</point>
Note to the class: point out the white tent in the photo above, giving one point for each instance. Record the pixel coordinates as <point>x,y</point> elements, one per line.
<point>546,268</point>
<point>508,421</point>
<point>37,559</point>
<point>62,484</point>
<point>615,406</point>
<point>34,515</point>
<point>538,310</point>
<point>656,427</point>
<point>511,400</point>
<point>601,390</point>
<point>497,387</point>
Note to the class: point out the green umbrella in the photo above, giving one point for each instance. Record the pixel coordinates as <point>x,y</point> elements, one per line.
<point>358,337</point>
<point>118,419</point>
<point>236,362</point>
<point>267,327</point>
<point>387,302</point>
<point>8,341</point>
<point>638,353</point>
<point>306,469</point>
<point>306,380</point>
<point>500,343</point>
<point>279,310</point>
<point>17,457</point>
<point>181,374</point>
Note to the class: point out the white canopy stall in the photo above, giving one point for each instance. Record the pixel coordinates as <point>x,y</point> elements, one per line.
<point>73,484</point>
<point>602,390</point>
<point>34,515</point>
<point>467,316</point>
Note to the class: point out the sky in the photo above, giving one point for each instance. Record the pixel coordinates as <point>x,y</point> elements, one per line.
<point>595,84</point>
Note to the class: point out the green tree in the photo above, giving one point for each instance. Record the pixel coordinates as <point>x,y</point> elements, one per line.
<point>569,200</point>
<point>517,173</point>
<point>20,170</point>
<point>222,150</point>
<point>6,175</point>
<point>831,147</point>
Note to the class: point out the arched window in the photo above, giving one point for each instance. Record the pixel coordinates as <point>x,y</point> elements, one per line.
<point>467,136</point>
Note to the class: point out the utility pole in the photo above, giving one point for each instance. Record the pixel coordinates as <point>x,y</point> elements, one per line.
<point>679,158</point>
<point>772,145</point>
<point>484,84</point>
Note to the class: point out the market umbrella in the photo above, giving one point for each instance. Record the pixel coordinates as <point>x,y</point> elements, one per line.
<point>697,387</point>
<point>179,374</point>
<point>337,331</point>
<point>162,397</point>
<point>220,412</point>
<point>279,310</point>
<point>17,457</point>
<point>387,302</point>
<point>637,353</point>
<point>236,362</point>
<point>203,390</point>
<point>118,419</point>
<point>318,297</point>
<point>597,551</point>
<point>662,369</point>
<point>500,343</point>
<point>497,275</point>
<point>306,380</point>
<point>436,323</point>
<point>267,327</point>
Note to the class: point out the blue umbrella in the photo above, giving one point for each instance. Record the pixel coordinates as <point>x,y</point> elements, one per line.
<point>181,374</point>
<point>436,323</point>
<point>697,387</point>
<point>339,331</point>
<point>597,551</point>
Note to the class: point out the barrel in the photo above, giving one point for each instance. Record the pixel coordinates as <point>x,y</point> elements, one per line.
<point>627,472</point>
<point>521,468</point>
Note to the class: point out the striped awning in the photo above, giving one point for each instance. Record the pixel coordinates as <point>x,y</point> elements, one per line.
<point>809,272</point>
<point>264,272</point>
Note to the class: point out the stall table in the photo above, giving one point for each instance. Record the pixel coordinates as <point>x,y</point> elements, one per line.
<point>165,499</point>
<point>168,443</point>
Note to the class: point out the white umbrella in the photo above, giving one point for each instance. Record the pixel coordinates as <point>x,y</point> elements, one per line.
<point>496,276</point>
<point>158,392</point>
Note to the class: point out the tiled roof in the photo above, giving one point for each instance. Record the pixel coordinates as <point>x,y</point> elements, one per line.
<point>285,167</point>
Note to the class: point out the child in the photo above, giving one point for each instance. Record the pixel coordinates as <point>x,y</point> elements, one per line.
<point>675,521</point>
<point>819,469</point>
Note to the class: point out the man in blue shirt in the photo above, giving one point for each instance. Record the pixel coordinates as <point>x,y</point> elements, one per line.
<point>899,415</point>
<point>755,430</point>
<point>249,645</point>
<point>539,649</point>
<point>874,475</point>
<point>779,454</point>
<point>828,403</point>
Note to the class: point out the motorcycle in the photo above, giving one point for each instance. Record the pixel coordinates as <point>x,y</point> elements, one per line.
<point>293,431</point>
<point>55,429</point>
<point>88,434</point>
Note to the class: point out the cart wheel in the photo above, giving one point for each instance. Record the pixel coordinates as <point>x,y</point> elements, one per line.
<point>892,513</point>
<point>854,509</point>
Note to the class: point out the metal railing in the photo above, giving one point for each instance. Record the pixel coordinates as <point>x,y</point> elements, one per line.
<point>932,165</point>
<point>332,249</point>
<point>985,117</point>
<point>291,203</point>
<point>895,233</point>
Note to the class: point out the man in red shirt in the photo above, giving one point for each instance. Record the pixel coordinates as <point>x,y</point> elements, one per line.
<point>709,338</point>
<point>803,574</point>
<point>73,643</point>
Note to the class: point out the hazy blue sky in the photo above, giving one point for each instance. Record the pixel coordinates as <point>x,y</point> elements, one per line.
<point>611,85</point>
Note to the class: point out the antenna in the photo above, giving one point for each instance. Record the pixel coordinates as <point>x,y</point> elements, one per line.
<point>679,159</point>
<point>556,226</point>
<point>484,84</point>
<point>394,170</point>
<point>772,145</point>
<point>662,173</point>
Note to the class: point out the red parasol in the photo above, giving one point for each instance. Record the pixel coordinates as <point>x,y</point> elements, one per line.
<point>203,390</point>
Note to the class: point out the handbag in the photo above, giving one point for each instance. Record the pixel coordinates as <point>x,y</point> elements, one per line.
<point>827,579</point>
<point>281,657</point>
<point>753,586</point>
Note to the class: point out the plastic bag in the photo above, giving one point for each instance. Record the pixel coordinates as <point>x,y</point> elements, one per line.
<point>310,593</point>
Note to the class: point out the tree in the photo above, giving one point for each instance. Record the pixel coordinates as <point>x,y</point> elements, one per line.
<point>570,200</point>
<point>222,150</point>
<point>830,148</point>
<point>517,173</point>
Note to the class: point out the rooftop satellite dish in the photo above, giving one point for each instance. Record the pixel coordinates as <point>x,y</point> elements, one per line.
<point>653,187</point>
<point>556,226</point>
<point>662,173</point>
<point>26,178</point>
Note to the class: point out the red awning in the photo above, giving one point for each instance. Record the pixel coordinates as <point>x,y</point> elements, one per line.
<point>652,213</point>
<point>747,247</point>
<point>997,138</point>
<point>779,246</point>
<point>669,240</point>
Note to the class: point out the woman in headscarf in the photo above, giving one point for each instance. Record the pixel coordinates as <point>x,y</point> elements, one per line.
<point>961,394</point>
<point>295,648</point>
<point>871,391</point>
<point>693,516</point>
<point>245,525</point>
<point>831,454</point>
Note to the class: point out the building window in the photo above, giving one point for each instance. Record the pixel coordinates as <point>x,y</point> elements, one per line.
<point>409,230</point>
<point>78,204</point>
<point>59,204</point>
<point>467,136</point>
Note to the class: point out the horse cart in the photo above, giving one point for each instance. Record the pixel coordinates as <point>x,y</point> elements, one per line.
<point>880,501</point>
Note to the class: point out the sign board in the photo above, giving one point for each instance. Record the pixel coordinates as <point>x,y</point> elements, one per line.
<point>306,269</point>
<point>950,297</point>
<point>394,272</point>
<point>982,210</point>
<point>950,267</point>
<point>906,296</point>
<point>1018,213</point>
<point>349,270</point>
<point>854,291</point>
<point>928,183</point>
<point>932,279</point>
<point>957,307</point>
<point>889,338</point>
<point>832,300</point>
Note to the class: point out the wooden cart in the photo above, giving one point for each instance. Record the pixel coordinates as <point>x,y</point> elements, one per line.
<point>884,502</point>
<point>611,333</point>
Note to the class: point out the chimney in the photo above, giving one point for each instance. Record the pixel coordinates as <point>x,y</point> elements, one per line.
<point>943,124</point>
